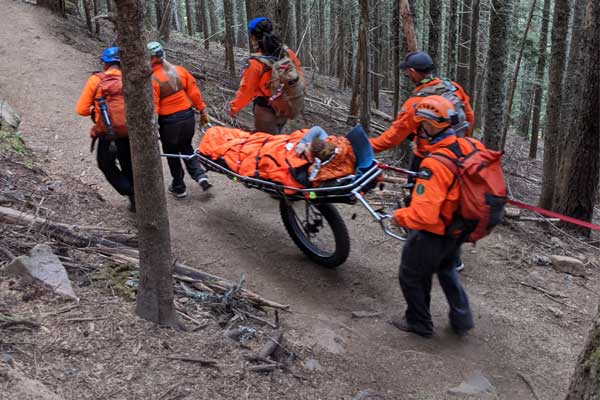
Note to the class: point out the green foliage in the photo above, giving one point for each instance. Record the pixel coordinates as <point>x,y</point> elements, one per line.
<point>122,279</point>
<point>12,143</point>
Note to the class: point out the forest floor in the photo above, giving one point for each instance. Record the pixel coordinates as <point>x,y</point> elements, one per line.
<point>530,320</point>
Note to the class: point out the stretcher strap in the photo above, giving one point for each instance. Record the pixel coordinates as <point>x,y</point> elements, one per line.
<point>552,214</point>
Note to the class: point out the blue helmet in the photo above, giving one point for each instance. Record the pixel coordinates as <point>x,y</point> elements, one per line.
<point>252,24</point>
<point>111,54</point>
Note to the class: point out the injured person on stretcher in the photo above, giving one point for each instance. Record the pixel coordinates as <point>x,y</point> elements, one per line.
<point>304,158</point>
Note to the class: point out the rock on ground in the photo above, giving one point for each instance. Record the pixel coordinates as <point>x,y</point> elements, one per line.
<point>17,386</point>
<point>44,266</point>
<point>368,394</point>
<point>474,385</point>
<point>568,265</point>
<point>9,119</point>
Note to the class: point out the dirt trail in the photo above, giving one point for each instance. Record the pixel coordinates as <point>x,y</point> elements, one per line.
<point>234,230</point>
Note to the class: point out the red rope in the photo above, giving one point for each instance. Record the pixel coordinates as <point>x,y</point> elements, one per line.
<point>552,214</point>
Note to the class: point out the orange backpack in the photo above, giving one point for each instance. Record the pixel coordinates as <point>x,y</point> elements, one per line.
<point>482,191</point>
<point>111,87</point>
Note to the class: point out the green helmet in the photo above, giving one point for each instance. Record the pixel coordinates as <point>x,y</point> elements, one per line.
<point>156,49</point>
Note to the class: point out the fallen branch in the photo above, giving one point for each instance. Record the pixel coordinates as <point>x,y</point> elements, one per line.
<point>86,319</point>
<point>264,367</point>
<point>202,361</point>
<point>273,343</point>
<point>14,322</point>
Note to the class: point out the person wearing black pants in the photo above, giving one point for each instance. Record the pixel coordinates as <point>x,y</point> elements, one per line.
<point>433,245</point>
<point>105,88</point>
<point>175,97</point>
<point>176,133</point>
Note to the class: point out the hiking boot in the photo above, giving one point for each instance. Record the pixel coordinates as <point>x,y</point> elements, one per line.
<point>459,332</point>
<point>131,206</point>
<point>204,183</point>
<point>405,326</point>
<point>176,193</point>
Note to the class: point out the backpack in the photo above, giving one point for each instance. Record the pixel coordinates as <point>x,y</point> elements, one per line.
<point>286,84</point>
<point>112,95</point>
<point>482,191</point>
<point>447,90</point>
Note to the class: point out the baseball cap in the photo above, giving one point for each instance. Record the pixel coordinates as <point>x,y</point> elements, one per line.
<point>418,60</point>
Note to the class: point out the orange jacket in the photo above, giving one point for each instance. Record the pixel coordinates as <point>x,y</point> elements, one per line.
<point>179,101</point>
<point>273,157</point>
<point>405,124</point>
<point>255,82</point>
<point>435,197</point>
<point>89,94</point>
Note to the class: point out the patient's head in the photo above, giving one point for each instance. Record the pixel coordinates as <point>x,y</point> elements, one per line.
<point>321,149</point>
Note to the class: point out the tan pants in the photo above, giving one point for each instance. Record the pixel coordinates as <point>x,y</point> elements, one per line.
<point>266,121</point>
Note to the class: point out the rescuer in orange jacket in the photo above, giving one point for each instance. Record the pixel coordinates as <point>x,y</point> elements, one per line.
<point>420,69</point>
<point>109,150</point>
<point>254,84</point>
<point>428,251</point>
<point>175,96</point>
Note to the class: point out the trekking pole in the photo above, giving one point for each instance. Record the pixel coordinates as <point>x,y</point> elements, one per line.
<point>112,147</point>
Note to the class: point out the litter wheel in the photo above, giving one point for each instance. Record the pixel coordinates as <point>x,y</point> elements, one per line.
<point>318,230</point>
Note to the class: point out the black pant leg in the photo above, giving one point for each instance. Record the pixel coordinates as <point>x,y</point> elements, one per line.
<point>169,138</point>
<point>124,156</point>
<point>194,167</point>
<point>419,260</point>
<point>461,318</point>
<point>107,163</point>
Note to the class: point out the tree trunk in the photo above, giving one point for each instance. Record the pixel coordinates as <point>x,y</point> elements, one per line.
<point>229,60</point>
<point>281,19</point>
<point>198,16</point>
<point>408,26</point>
<point>577,182</point>
<point>349,64</point>
<point>88,16</point>
<point>452,39</point>
<point>572,81</point>
<point>299,26</point>
<point>155,292</point>
<point>363,59</point>
<point>214,22</point>
<point>435,25</point>
<point>396,56</point>
<point>585,382</point>
<point>333,37</point>
<point>164,29</point>
<point>473,49</point>
<point>340,48</point>
<point>175,17</point>
<point>205,25</point>
<point>526,106</point>
<point>462,69</point>
<point>96,4</point>
<point>538,90</point>
<point>513,82</point>
<point>189,16</point>
<point>158,8</point>
<point>554,104</point>
<point>377,49</point>
<point>496,73</point>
